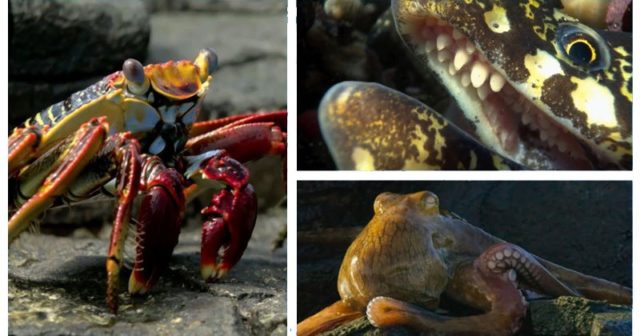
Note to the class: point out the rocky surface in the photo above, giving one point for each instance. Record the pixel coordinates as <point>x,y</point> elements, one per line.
<point>251,50</point>
<point>562,316</point>
<point>262,6</point>
<point>577,316</point>
<point>540,216</point>
<point>57,286</point>
<point>73,39</point>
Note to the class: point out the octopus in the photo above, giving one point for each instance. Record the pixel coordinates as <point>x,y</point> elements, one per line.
<point>412,253</point>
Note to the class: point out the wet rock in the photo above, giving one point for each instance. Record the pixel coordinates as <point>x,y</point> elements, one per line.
<point>252,6</point>
<point>577,316</point>
<point>72,39</point>
<point>57,286</point>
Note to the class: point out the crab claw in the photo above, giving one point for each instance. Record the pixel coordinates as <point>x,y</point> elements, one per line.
<point>231,216</point>
<point>158,227</point>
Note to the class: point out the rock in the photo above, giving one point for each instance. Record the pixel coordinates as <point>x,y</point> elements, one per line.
<point>562,316</point>
<point>57,286</point>
<point>362,327</point>
<point>251,6</point>
<point>612,324</point>
<point>578,316</point>
<point>73,39</point>
<point>251,48</point>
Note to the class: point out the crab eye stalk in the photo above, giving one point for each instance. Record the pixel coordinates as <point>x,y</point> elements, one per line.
<point>133,71</point>
<point>207,62</point>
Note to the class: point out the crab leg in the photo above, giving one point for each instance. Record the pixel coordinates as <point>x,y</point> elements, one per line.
<point>127,181</point>
<point>158,218</point>
<point>243,142</point>
<point>158,224</point>
<point>161,213</point>
<point>50,176</point>
<point>278,117</point>
<point>22,147</point>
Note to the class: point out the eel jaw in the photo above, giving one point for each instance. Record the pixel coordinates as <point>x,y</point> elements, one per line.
<point>506,120</point>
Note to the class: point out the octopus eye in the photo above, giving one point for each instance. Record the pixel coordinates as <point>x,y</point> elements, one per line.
<point>429,202</point>
<point>583,47</point>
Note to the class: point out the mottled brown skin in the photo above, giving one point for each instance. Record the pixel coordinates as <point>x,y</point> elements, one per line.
<point>411,253</point>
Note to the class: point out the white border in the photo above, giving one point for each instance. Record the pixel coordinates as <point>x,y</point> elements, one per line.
<point>292,162</point>
<point>294,176</point>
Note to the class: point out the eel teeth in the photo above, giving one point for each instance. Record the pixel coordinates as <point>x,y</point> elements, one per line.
<point>462,60</point>
<point>479,73</point>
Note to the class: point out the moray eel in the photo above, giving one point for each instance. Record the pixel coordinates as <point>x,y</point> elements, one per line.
<point>540,88</point>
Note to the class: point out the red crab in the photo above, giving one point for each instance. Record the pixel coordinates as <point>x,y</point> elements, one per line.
<point>134,133</point>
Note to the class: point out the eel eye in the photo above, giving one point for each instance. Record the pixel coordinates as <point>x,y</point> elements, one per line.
<point>581,51</point>
<point>583,47</point>
<point>133,71</point>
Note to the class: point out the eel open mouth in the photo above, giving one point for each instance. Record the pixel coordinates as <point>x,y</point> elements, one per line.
<point>505,119</point>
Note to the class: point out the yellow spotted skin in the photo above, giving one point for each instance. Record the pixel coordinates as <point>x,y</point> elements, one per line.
<point>370,127</point>
<point>529,42</point>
